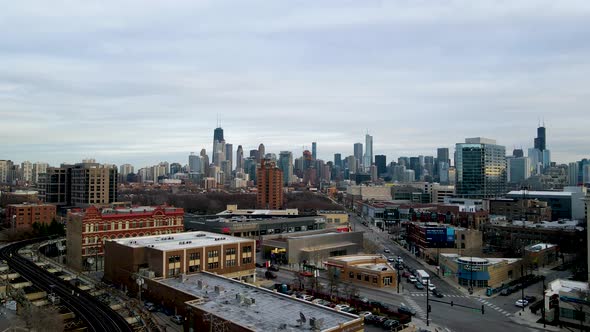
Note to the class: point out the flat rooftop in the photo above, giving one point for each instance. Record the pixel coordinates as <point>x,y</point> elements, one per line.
<point>539,247</point>
<point>180,240</point>
<point>540,193</point>
<point>567,286</point>
<point>269,311</point>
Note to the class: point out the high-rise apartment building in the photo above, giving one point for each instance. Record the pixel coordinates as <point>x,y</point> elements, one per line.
<point>261,153</point>
<point>358,153</point>
<point>125,170</point>
<point>519,169</point>
<point>338,160</point>
<point>572,173</point>
<point>26,171</point>
<point>55,185</point>
<point>368,160</point>
<point>175,168</point>
<point>93,183</point>
<point>240,158</point>
<point>480,168</point>
<point>286,166</point>
<point>352,163</point>
<point>381,163</point>
<point>314,150</point>
<point>269,182</point>
<point>229,156</point>
<point>38,169</point>
<point>6,171</point>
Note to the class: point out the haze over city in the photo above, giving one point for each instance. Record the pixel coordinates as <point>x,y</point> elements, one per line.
<point>129,83</point>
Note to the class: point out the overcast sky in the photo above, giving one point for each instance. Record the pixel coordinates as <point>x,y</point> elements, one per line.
<point>143,81</point>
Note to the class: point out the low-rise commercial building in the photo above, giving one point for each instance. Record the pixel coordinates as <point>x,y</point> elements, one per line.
<point>566,204</point>
<point>232,210</point>
<point>541,255</point>
<point>430,240</point>
<point>312,247</point>
<point>520,209</point>
<point>211,302</point>
<point>368,270</point>
<point>568,301</point>
<point>334,217</point>
<point>253,226</point>
<point>88,229</point>
<point>480,272</point>
<point>167,256</point>
<point>23,216</point>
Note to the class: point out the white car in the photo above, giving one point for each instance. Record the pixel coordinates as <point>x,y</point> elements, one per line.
<point>387,251</point>
<point>391,259</point>
<point>431,287</point>
<point>341,306</point>
<point>522,303</point>
<point>306,297</point>
<point>365,314</point>
<point>412,279</point>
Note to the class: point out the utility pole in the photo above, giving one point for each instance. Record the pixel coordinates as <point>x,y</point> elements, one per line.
<point>522,285</point>
<point>543,308</point>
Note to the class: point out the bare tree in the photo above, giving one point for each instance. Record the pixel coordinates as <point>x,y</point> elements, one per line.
<point>369,246</point>
<point>333,282</point>
<point>43,319</point>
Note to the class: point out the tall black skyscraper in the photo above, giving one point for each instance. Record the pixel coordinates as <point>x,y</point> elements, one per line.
<point>540,142</point>
<point>218,134</point>
<point>381,163</point>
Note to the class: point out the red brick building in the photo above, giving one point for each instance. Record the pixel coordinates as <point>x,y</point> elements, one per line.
<point>87,229</point>
<point>23,216</point>
<point>269,180</point>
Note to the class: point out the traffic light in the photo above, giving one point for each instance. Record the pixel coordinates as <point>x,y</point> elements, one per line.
<point>451,303</point>
<point>429,308</point>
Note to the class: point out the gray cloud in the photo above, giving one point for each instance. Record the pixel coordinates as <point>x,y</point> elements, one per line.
<point>141,82</point>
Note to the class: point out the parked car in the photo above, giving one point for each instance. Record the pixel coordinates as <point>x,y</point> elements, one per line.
<point>150,306</point>
<point>431,286</point>
<point>390,324</point>
<point>437,293</point>
<point>406,274</point>
<point>387,251</point>
<point>306,274</point>
<point>406,311</point>
<point>178,319</point>
<point>521,303</point>
<point>273,268</point>
<point>365,314</point>
<point>306,297</point>
<point>391,259</point>
<point>341,306</point>
<point>419,285</point>
<point>505,292</point>
<point>259,264</point>
<point>270,275</point>
<point>379,320</point>
<point>530,299</point>
<point>412,279</point>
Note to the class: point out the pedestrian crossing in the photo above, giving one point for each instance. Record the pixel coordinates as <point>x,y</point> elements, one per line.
<point>419,311</point>
<point>495,307</point>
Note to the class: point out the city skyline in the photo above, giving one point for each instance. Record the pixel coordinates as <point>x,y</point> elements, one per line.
<point>144,83</point>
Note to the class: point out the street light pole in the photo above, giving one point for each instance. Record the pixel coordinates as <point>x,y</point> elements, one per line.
<point>522,284</point>
<point>543,308</point>
<point>427,303</point>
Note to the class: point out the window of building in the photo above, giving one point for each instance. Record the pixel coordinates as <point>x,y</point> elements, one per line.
<point>358,276</point>
<point>247,260</point>
<point>367,278</point>
<point>375,280</point>
<point>247,249</point>
<point>212,253</point>
<point>230,262</point>
<point>231,251</point>
<point>351,275</point>
<point>194,255</point>
<point>214,265</point>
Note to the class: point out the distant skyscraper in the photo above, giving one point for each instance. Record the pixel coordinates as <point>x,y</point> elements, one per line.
<point>381,163</point>
<point>6,171</point>
<point>125,170</point>
<point>572,173</point>
<point>270,186</point>
<point>314,150</point>
<point>358,152</point>
<point>286,166</point>
<point>416,167</point>
<point>540,140</point>
<point>254,154</point>
<point>39,168</point>
<point>539,155</point>
<point>27,171</point>
<point>175,168</point>
<point>194,163</point>
<point>217,139</point>
<point>368,160</point>
<point>442,155</point>
<point>338,160</point>
<point>480,168</point>
<point>352,162</point>
<point>229,157</point>
<point>403,161</point>
<point>261,152</point>
<point>519,169</point>
<point>240,158</point>
<point>518,153</point>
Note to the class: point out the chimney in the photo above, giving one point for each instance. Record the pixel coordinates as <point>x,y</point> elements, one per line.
<point>200,284</point>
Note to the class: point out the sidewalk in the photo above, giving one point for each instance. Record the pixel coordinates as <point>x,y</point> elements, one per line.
<point>529,319</point>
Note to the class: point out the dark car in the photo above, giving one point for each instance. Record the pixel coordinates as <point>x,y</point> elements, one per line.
<point>270,275</point>
<point>259,265</point>
<point>273,268</point>
<point>505,292</point>
<point>437,293</point>
<point>406,274</point>
<point>419,285</point>
<point>530,298</point>
<point>406,311</point>
<point>178,319</point>
<point>379,320</point>
<point>390,324</point>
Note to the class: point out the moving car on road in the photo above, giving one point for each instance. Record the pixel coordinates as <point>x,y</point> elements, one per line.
<point>437,293</point>
<point>177,319</point>
<point>387,251</point>
<point>419,285</point>
<point>522,303</point>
